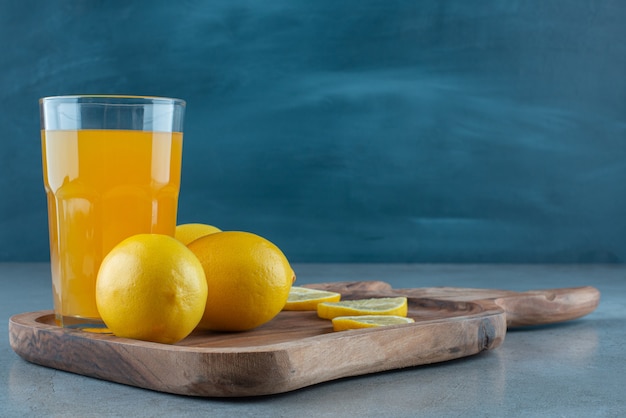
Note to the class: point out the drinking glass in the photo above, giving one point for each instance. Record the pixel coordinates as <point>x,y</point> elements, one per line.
<point>111,169</point>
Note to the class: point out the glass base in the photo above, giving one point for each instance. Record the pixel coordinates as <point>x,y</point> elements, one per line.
<point>77,322</point>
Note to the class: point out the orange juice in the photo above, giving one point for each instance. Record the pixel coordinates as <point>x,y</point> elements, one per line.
<point>103,186</point>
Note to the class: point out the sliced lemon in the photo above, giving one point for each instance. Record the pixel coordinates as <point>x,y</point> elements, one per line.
<point>342,323</point>
<point>377,306</point>
<point>305,299</point>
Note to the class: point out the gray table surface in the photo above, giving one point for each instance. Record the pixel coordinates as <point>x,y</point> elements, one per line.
<point>573,369</point>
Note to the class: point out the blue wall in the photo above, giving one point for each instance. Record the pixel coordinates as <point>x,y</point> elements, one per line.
<point>350,130</point>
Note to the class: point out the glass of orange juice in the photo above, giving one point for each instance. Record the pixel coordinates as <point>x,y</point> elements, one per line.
<point>111,169</point>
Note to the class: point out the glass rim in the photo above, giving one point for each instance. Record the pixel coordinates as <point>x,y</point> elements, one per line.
<point>113,99</point>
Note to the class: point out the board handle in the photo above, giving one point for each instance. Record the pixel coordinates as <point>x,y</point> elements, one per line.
<point>538,307</point>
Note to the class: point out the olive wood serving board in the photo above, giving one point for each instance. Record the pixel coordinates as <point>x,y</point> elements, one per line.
<point>297,349</point>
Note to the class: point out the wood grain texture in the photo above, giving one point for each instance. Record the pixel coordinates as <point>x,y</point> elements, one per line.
<point>297,349</point>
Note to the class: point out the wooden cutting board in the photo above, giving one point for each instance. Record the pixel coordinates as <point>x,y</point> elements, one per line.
<point>298,349</point>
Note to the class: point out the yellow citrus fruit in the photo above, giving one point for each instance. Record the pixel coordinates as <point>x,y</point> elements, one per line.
<point>376,306</point>
<point>248,280</point>
<point>343,323</point>
<point>151,287</point>
<point>186,233</point>
<point>304,299</point>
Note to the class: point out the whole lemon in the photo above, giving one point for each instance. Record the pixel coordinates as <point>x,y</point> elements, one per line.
<point>248,280</point>
<point>151,287</point>
<point>186,233</point>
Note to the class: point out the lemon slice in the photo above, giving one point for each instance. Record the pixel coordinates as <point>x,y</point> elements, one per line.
<point>342,323</point>
<point>305,299</point>
<point>377,306</point>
